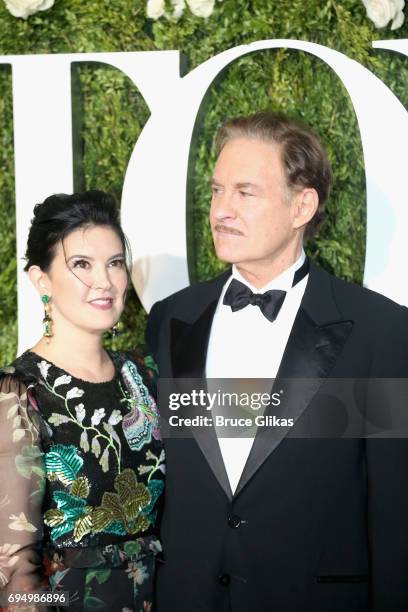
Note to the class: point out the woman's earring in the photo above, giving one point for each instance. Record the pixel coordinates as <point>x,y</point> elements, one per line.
<point>47,321</point>
<point>116,330</point>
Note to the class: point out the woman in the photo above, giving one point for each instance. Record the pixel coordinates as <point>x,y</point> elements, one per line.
<point>81,460</point>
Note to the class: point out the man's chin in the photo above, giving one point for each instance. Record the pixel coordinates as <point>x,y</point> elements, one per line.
<point>226,256</point>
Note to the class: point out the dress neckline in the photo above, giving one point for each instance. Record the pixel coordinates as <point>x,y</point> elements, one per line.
<point>39,358</point>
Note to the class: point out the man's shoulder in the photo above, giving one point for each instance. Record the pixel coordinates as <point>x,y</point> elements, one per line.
<point>186,305</point>
<point>196,294</point>
<point>352,297</point>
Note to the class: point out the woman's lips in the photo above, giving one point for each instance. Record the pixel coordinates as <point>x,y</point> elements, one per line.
<point>102,303</point>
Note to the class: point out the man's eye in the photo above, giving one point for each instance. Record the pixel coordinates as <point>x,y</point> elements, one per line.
<point>81,263</point>
<point>215,190</point>
<point>246,193</point>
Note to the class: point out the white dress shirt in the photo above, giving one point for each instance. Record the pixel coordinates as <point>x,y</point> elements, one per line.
<point>244,344</point>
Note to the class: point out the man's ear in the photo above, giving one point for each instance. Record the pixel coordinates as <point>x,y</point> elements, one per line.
<point>40,280</point>
<point>305,205</point>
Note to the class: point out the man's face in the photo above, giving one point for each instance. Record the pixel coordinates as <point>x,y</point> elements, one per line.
<point>251,215</point>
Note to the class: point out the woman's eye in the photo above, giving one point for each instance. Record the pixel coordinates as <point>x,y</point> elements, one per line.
<point>117,263</point>
<point>81,263</point>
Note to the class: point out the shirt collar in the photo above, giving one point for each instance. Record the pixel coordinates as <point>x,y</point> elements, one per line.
<point>283,281</point>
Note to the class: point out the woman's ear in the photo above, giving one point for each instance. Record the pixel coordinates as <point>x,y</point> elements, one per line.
<point>40,280</point>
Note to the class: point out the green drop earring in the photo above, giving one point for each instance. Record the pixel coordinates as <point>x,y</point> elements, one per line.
<point>47,321</point>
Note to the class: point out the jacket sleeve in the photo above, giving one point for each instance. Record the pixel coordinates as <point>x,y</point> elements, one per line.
<point>387,469</point>
<point>21,489</point>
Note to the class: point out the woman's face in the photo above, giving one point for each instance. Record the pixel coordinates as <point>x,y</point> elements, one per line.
<point>87,280</point>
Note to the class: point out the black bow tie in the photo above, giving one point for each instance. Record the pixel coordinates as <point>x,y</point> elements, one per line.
<point>239,295</point>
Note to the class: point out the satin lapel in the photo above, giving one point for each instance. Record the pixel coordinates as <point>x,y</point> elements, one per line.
<point>310,355</point>
<point>189,344</point>
<point>189,340</point>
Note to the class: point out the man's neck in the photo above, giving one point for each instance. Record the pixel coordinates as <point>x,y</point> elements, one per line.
<point>261,274</point>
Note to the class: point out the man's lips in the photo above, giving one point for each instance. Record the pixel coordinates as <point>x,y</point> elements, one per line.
<point>224,229</point>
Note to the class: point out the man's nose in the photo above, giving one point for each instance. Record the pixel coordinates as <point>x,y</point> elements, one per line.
<point>224,206</point>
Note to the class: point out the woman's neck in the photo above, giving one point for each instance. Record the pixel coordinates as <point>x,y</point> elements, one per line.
<point>83,357</point>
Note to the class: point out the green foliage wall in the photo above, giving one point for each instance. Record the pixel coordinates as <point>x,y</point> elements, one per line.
<point>110,112</point>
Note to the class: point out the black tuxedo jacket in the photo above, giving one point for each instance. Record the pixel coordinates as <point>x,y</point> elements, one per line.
<point>315,525</point>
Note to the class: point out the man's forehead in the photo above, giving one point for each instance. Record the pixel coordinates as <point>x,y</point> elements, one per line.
<point>244,143</point>
<point>251,152</point>
<point>250,167</point>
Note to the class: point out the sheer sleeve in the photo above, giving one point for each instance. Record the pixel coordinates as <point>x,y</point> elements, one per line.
<point>22,478</point>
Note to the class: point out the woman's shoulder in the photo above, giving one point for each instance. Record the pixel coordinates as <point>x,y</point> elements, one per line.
<point>11,381</point>
<point>140,358</point>
<point>17,397</point>
<point>22,372</point>
<point>137,369</point>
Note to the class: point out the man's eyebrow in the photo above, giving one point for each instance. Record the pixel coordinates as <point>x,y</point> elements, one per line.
<point>247,185</point>
<point>240,185</point>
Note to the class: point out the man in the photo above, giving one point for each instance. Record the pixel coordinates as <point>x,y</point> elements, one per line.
<point>281,523</point>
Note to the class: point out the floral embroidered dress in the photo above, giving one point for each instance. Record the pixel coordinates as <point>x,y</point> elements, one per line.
<point>81,481</point>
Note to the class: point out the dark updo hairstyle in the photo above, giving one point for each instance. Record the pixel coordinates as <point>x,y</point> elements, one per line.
<point>61,214</point>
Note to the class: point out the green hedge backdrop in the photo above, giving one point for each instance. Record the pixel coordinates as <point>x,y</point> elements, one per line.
<point>110,112</point>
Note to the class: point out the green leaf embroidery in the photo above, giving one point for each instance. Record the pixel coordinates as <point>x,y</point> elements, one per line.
<point>156,488</point>
<point>54,517</point>
<point>80,487</point>
<point>116,527</point>
<point>73,507</point>
<point>125,484</point>
<point>60,530</point>
<point>83,526</point>
<point>63,462</point>
<point>101,518</point>
<point>121,513</point>
<point>139,500</point>
<point>111,503</point>
<point>141,524</point>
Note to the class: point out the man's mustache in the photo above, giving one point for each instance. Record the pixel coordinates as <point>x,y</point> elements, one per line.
<point>227,230</point>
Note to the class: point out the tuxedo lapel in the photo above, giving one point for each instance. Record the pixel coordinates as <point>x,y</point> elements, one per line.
<point>315,342</point>
<point>189,344</point>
